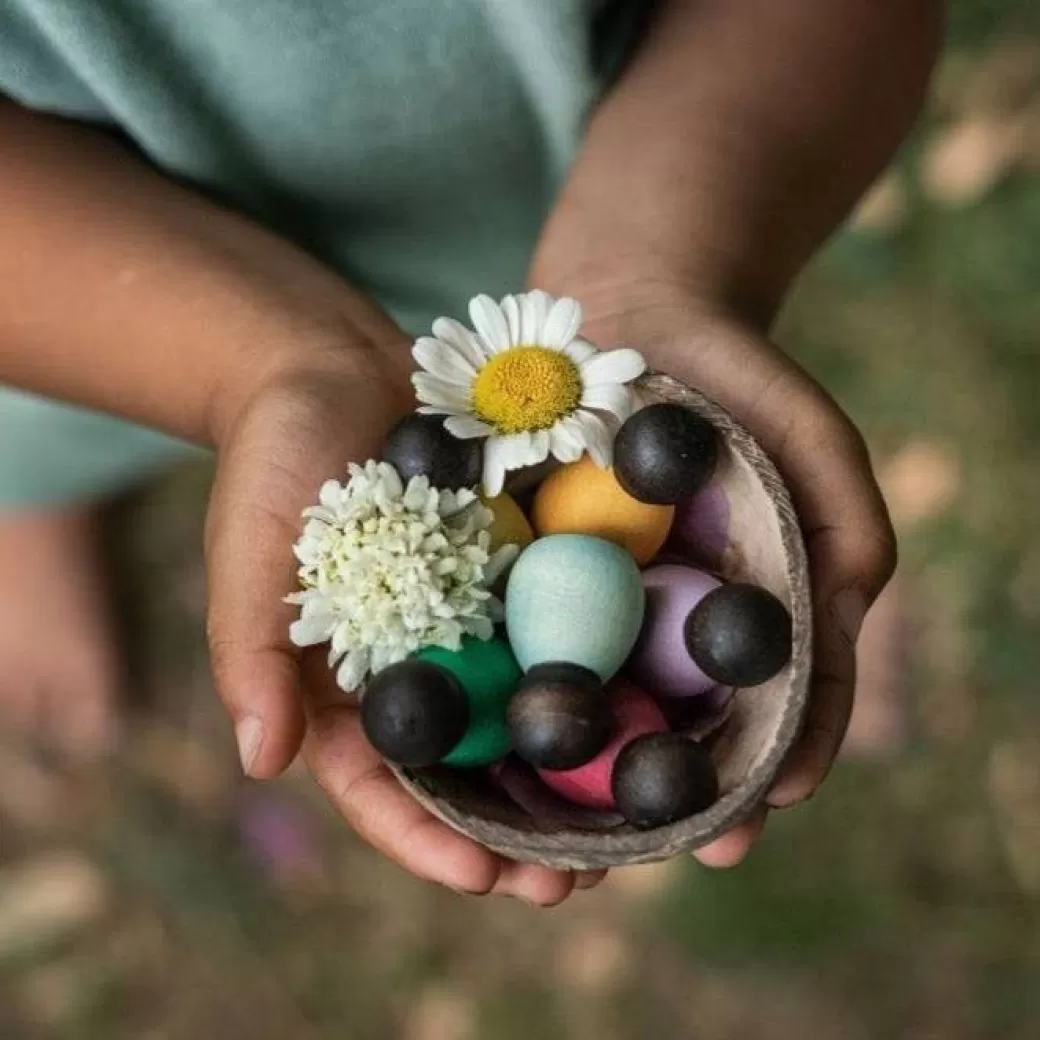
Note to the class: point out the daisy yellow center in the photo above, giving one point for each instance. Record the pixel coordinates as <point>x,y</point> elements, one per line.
<point>526,388</point>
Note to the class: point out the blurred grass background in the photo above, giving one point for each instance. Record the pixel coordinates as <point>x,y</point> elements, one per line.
<point>162,898</point>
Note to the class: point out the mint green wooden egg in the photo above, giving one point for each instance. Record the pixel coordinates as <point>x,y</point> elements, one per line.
<point>574,598</point>
<point>489,674</point>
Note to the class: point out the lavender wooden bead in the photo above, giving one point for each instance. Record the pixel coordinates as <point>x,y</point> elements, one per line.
<point>660,662</point>
<point>700,530</point>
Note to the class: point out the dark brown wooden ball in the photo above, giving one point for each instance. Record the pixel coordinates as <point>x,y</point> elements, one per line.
<point>419,445</point>
<point>661,778</point>
<point>739,635</point>
<point>664,453</point>
<point>559,717</point>
<point>414,713</point>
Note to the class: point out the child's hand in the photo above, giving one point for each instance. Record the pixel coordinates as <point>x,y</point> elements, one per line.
<point>825,463</point>
<point>204,325</point>
<point>274,455</point>
<point>735,141</point>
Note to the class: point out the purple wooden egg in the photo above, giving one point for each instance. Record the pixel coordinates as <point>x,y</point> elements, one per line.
<point>700,529</point>
<point>660,662</point>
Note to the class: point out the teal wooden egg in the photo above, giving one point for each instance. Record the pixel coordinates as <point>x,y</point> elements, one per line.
<point>489,674</point>
<point>577,599</point>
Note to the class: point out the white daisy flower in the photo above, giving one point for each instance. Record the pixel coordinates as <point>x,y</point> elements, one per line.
<point>387,569</point>
<point>526,382</point>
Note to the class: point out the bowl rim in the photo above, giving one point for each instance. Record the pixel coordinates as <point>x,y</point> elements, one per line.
<point>586,850</point>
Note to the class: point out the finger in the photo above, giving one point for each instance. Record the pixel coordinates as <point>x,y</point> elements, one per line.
<point>383,813</point>
<point>808,764</point>
<point>838,618</point>
<point>534,884</point>
<point>254,665</point>
<point>349,769</point>
<point>366,793</point>
<point>848,534</point>
<point>733,847</point>
<point>826,466</point>
<point>270,470</point>
<point>851,552</point>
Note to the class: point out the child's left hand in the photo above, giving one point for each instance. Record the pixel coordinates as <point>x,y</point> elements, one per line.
<point>274,455</point>
<point>825,463</point>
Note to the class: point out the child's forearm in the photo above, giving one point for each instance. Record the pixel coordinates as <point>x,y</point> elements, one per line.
<point>122,291</point>
<point>739,137</point>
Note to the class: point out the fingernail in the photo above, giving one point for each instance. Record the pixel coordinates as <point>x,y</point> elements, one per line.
<point>849,607</point>
<point>468,892</point>
<point>588,878</point>
<point>250,736</point>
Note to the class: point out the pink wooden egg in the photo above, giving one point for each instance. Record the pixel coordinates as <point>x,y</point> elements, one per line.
<point>635,714</point>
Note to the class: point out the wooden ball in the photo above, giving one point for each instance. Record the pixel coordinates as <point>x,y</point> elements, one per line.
<point>414,713</point>
<point>419,445</point>
<point>664,453</point>
<point>661,778</point>
<point>739,635</point>
<point>559,718</point>
<point>581,498</point>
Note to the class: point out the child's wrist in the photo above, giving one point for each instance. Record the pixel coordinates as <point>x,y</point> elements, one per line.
<point>613,277</point>
<point>311,368</point>
<point>621,295</point>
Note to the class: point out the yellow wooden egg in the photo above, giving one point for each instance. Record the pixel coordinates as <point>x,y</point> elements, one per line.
<point>510,526</point>
<point>581,498</point>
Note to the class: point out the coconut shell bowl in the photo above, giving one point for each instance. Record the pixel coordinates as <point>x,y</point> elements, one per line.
<point>744,530</point>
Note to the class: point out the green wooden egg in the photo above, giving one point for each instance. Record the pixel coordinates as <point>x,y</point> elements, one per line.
<point>489,674</point>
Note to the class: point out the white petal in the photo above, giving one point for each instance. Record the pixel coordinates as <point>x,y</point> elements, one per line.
<point>392,486</point>
<point>443,360</point>
<point>430,409</point>
<point>330,494</point>
<point>455,333</point>
<point>312,630</point>
<point>564,444</point>
<point>535,309</point>
<point>538,450</point>
<point>440,393</point>
<point>512,452</point>
<point>517,449</point>
<point>466,427</point>
<point>501,559</point>
<point>511,308</point>
<point>480,628</point>
<point>490,323</point>
<point>642,398</point>
<point>597,438</point>
<point>609,397</point>
<point>494,466</point>
<point>351,673</point>
<point>562,323</point>
<point>580,350</point>
<point>615,366</point>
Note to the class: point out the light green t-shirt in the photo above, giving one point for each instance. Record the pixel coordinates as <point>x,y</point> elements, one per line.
<point>415,145</point>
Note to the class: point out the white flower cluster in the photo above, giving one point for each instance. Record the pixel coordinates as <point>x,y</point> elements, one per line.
<point>387,569</point>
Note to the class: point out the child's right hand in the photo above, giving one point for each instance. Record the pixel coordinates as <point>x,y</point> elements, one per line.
<point>274,452</point>
<point>130,294</point>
